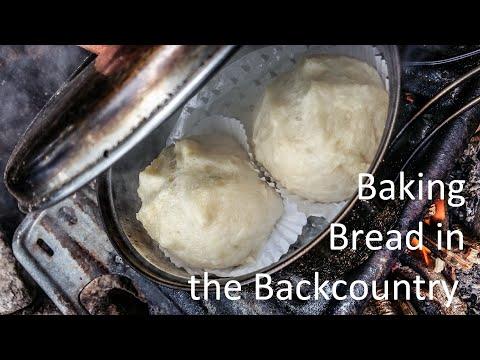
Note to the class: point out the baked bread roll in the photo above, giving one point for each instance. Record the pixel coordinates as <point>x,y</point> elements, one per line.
<point>319,125</point>
<point>203,202</point>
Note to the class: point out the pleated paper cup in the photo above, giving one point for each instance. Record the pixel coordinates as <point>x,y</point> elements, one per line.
<point>287,229</point>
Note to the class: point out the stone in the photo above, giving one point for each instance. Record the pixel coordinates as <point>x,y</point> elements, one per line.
<point>14,293</point>
<point>41,306</point>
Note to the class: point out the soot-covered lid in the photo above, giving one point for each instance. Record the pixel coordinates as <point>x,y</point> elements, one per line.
<point>105,109</point>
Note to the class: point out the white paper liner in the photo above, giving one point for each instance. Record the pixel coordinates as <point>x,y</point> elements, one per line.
<point>310,208</point>
<point>286,230</point>
<point>236,92</point>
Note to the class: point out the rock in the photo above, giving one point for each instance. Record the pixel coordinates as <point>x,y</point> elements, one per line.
<point>41,306</point>
<point>14,294</point>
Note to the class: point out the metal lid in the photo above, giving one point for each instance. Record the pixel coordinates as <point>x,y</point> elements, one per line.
<point>100,114</point>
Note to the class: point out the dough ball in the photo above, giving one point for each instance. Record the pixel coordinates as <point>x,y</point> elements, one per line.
<point>319,125</point>
<point>204,203</point>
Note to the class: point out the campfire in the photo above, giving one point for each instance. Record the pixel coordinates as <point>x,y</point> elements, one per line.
<point>447,262</point>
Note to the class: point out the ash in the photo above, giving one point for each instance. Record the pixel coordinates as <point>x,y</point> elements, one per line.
<point>468,218</point>
<point>469,289</point>
<point>470,162</point>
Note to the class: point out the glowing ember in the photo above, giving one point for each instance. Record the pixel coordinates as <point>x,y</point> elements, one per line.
<point>436,212</point>
<point>440,213</point>
<point>425,252</point>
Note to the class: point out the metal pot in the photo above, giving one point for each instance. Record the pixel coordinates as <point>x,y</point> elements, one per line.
<point>119,201</point>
